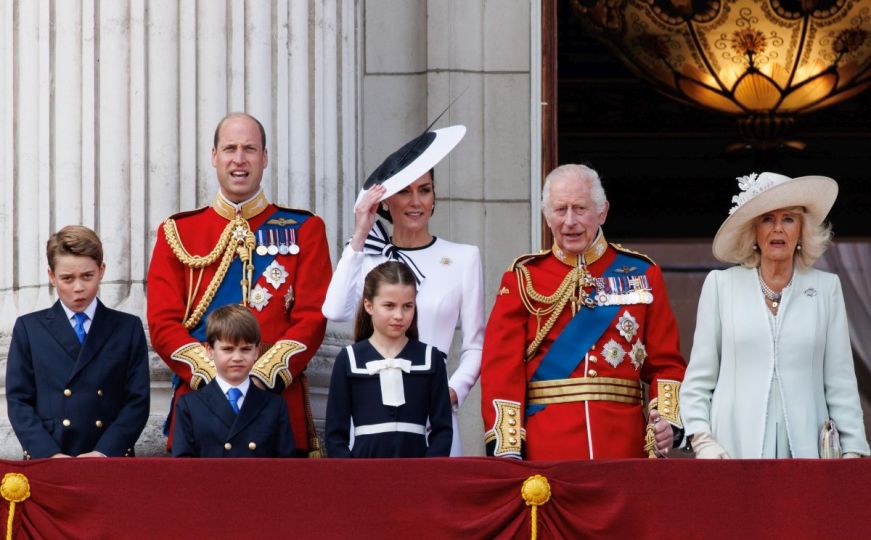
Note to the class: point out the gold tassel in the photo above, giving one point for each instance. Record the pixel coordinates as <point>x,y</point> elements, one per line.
<point>536,492</point>
<point>15,488</point>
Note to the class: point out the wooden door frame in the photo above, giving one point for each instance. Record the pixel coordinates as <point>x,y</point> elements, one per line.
<point>549,139</point>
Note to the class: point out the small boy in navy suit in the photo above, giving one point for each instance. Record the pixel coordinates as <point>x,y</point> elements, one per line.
<point>77,374</point>
<point>231,416</point>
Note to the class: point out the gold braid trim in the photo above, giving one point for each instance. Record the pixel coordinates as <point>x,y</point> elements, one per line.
<point>275,362</point>
<point>507,431</point>
<point>667,401</point>
<point>236,238</point>
<point>196,356</point>
<point>555,303</point>
<point>196,261</point>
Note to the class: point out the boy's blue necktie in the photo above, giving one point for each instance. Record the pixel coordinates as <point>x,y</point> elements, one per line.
<point>80,326</point>
<point>233,395</point>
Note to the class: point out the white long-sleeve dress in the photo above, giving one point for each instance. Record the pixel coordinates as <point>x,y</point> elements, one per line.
<point>452,290</point>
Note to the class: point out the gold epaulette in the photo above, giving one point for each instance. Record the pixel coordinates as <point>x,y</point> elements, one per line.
<point>196,356</point>
<point>275,363</point>
<point>622,249</point>
<point>526,257</point>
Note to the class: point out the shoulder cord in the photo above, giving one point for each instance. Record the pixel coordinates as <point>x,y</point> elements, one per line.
<point>554,303</point>
<point>243,239</point>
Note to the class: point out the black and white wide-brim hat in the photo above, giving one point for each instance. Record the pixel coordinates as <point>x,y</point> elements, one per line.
<point>415,158</point>
<point>767,192</point>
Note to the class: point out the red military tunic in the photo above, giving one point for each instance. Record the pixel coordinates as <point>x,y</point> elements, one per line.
<point>595,412</point>
<point>285,296</point>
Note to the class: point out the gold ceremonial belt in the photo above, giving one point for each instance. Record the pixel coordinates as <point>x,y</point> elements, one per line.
<point>584,389</point>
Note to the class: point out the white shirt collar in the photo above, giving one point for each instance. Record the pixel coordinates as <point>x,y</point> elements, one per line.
<point>225,386</point>
<point>89,311</point>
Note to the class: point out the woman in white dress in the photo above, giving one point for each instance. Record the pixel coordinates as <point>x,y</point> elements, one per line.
<point>450,278</point>
<point>771,361</point>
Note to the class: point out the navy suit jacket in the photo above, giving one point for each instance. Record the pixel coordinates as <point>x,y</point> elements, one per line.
<point>73,398</point>
<point>206,426</point>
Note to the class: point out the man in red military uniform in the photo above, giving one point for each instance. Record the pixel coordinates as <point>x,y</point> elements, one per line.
<point>242,250</point>
<point>573,333</point>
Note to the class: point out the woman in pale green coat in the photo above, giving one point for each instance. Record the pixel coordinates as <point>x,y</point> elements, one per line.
<point>771,359</point>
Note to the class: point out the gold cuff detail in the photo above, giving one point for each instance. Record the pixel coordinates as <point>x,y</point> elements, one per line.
<point>196,356</point>
<point>584,389</point>
<point>508,431</point>
<point>275,362</point>
<point>667,402</point>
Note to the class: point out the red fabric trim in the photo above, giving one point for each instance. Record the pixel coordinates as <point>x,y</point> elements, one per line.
<point>439,498</point>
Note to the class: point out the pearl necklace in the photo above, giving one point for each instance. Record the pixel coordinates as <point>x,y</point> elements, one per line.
<point>768,292</point>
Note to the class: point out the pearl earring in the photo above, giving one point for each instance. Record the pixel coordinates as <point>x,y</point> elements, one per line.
<point>385,207</point>
<point>798,247</point>
<point>755,247</point>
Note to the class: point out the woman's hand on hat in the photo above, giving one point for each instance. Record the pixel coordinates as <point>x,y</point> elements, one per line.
<point>365,214</point>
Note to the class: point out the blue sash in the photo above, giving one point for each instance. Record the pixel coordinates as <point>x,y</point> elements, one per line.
<point>230,290</point>
<point>581,333</point>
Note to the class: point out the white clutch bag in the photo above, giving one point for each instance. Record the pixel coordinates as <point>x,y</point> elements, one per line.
<point>830,441</point>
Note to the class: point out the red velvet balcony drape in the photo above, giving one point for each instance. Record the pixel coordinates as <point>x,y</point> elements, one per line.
<point>439,498</point>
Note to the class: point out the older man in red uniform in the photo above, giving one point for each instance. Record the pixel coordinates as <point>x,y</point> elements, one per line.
<point>242,250</point>
<point>573,333</point>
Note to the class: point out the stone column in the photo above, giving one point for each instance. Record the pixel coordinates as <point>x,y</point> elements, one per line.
<point>107,112</point>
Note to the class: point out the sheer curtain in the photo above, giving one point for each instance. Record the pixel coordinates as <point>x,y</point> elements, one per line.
<point>852,262</point>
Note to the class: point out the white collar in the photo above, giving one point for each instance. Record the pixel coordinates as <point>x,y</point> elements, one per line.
<point>89,311</point>
<point>225,386</point>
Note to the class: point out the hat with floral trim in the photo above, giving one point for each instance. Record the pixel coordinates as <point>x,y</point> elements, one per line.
<point>766,192</point>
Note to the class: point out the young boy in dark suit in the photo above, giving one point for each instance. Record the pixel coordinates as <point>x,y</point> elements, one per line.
<point>231,416</point>
<point>77,374</point>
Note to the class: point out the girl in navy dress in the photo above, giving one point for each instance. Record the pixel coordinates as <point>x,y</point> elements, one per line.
<point>389,384</point>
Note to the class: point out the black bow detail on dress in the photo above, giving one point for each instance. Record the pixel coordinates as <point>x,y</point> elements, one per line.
<point>378,243</point>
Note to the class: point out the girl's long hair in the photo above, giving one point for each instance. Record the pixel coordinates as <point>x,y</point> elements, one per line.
<point>389,273</point>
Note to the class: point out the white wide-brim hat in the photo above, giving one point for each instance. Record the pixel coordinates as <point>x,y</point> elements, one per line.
<point>415,158</point>
<point>767,192</point>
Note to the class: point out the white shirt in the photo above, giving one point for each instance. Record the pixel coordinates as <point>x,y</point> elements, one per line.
<point>89,311</point>
<point>243,387</point>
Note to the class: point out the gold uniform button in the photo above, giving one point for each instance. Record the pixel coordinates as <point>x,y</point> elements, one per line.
<point>593,358</point>
<point>666,410</point>
<point>68,392</point>
<point>668,394</point>
<point>512,422</point>
<point>511,412</point>
<point>668,387</point>
<point>668,402</point>
<point>100,393</point>
<point>592,373</point>
<point>512,431</point>
<point>227,446</point>
<point>66,422</point>
<point>98,423</point>
<point>512,440</point>
<point>252,446</point>
<point>593,348</point>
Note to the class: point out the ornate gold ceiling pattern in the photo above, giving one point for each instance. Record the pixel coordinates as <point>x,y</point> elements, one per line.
<point>763,60</point>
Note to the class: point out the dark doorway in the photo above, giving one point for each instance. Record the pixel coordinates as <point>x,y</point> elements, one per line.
<point>665,165</point>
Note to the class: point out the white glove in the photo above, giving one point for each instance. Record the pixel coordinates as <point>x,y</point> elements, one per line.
<point>850,455</point>
<point>706,447</point>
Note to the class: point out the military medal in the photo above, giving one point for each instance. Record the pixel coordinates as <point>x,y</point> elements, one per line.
<point>275,274</point>
<point>613,353</point>
<point>627,326</point>
<point>638,354</point>
<point>259,297</point>
<point>283,248</point>
<point>272,249</point>
<point>261,247</point>
<point>294,247</point>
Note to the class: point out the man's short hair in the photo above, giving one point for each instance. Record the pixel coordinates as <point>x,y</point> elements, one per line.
<point>74,240</point>
<point>236,115</point>
<point>232,324</point>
